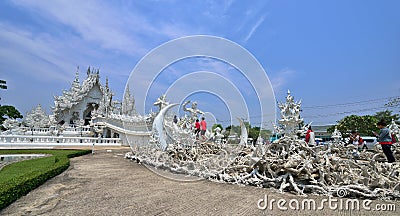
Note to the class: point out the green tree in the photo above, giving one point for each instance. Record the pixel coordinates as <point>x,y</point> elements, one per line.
<point>232,129</point>
<point>363,124</point>
<point>265,134</point>
<point>255,132</point>
<point>387,116</point>
<point>217,125</point>
<point>8,112</point>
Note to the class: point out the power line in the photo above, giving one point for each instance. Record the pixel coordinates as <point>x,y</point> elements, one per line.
<point>322,115</point>
<point>327,106</point>
<point>347,112</point>
<point>349,104</point>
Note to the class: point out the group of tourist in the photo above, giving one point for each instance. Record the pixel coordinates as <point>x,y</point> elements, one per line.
<point>385,139</point>
<point>200,127</point>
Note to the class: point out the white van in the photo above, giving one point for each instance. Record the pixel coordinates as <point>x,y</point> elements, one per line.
<point>369,142</point>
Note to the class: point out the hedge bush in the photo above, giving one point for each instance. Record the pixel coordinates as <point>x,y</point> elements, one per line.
<point>18,179</point>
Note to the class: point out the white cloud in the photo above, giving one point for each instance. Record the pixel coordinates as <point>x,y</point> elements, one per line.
<point>39,53</point>
<point>254,28</point>
<point>251,18</point>
<point>110,25</point>
<point>92,20</point>
<point>282,78</point>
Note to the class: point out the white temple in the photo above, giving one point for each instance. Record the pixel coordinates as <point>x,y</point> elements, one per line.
<point>78,103</point>
<point>88,110</point>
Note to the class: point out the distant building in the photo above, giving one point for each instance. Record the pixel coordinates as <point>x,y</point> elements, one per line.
<point>320,131</point>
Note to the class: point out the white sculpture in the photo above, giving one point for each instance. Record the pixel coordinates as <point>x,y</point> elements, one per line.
<point>37,118</point>
<point>290,115</point>
<point>243,133</point>
<point>161,102</point>
<point>10,123</point>
<point>166,133</point>
<point>12,126</point>
<point>336,135</point>
<point>159,134</point>
<point>395,129</point>
<point>128,104</point>
<point>288,164</point>
<point>278,129</point>
<point>193,111</point>
<point>218,135</point>
<point>260,141</point>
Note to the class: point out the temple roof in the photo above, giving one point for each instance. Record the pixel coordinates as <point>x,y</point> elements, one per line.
<point>77,91</point>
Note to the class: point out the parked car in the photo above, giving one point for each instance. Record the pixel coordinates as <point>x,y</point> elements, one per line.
<point>319,141</point>
<point>369,142</point>
<point>233,139</point>
<point>274,137</point>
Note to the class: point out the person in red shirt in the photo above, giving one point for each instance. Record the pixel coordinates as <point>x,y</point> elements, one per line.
<point>203,127</point>
<point>197,128</point>
<point>310,137</point>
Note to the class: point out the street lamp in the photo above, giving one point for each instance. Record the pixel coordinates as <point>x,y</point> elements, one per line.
<point>3,85</point>
<point>81,123</point>
<point>31,126</point>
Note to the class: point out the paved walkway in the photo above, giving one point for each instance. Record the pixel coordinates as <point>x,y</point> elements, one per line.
<point>107,184</point>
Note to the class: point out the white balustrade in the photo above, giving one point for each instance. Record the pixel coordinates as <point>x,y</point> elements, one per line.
<point>6,140</point>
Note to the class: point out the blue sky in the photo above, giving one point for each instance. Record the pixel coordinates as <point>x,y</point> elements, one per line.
<point>340,53</point>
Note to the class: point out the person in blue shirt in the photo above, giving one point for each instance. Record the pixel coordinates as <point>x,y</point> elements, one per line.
<point>385,139</point>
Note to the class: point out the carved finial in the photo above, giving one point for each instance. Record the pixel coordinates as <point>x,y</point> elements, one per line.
<point>88,71</point>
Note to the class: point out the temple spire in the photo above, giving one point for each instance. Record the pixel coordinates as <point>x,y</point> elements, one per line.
<point>77,75</point>
<point>75,87</point>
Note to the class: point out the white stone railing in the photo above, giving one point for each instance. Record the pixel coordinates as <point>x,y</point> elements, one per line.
<point>85,130</point>
<point>26,139</point>
<point>78,129</point>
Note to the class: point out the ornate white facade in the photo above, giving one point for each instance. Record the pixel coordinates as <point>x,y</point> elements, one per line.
<point>37,118</point>
<point>82,100</point>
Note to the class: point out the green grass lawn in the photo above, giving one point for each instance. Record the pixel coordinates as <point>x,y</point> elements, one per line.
<point>17,179</point>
